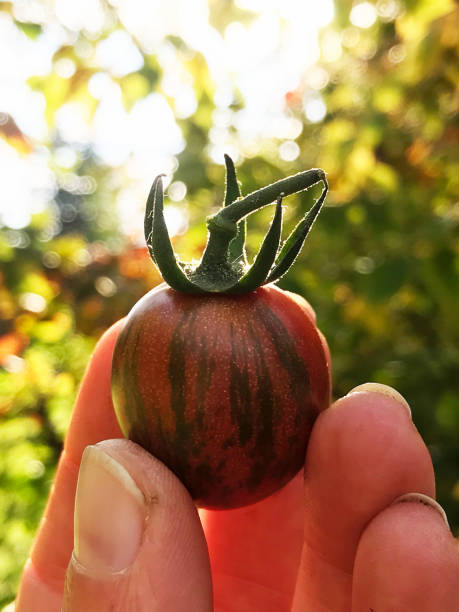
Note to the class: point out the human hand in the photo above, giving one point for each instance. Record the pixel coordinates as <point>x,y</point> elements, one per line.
<point>335,542</point>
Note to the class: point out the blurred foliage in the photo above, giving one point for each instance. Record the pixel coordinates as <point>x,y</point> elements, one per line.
<point>380,267</point>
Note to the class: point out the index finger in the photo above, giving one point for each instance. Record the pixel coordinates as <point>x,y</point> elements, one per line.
<point>93,420</point>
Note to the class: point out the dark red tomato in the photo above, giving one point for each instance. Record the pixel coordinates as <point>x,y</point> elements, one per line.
<point>223,389</point>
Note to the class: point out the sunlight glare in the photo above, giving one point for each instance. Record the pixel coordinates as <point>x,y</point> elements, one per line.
<point>331,47</point>
<point>289,151</point>
<point>100,85</point>
<point>84,14</point>
<point>315,109</point>
<point>119,54</point>
<point>65,157</point>
<point>65,68</point>
<point>321,13</point>
<point>177,191</point>
<point>152,126</point>
<point>27,186</point>
<point>71,120</point>
<point>176,220</point>
<point>110,131</point>
<point>363,15</point>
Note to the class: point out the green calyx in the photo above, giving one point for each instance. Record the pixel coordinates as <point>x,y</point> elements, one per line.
<point>223,267</point>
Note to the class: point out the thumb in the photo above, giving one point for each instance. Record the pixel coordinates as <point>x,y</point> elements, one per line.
<point>139,543</point>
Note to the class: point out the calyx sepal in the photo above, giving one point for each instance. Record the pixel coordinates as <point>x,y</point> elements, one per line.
<point>223,267</point>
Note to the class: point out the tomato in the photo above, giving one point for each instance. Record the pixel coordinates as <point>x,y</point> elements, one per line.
<point>223,389</point>
<point>216,376</point>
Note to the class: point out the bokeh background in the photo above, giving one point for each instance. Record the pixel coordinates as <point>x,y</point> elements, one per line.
<point>97,97</point>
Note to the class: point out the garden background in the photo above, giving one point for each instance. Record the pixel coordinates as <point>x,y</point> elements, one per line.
<point>98,97</point>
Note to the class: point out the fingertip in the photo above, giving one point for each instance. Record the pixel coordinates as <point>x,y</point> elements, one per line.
<point>364,435</point>
<point>136,531</point>
<point>407,559</point>
<point>108,502</point>
<point>372,387</point>
<point>419,498</point>
<point>370,421</point>
<point>364,452</point>
<point>375,397</point>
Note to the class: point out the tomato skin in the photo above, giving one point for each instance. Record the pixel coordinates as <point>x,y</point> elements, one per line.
<point>223,389</point>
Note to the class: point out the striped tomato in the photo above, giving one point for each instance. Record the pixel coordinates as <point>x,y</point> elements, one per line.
<point>223,389</point>
<point>221,384</point>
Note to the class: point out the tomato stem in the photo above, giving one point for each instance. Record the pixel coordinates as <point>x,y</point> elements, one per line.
<point>294,243</point>
<point>159,244</point>
<point>266,195</point>
<point>236,249</point>
<point>258,272</point>
<point>223,267</point>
